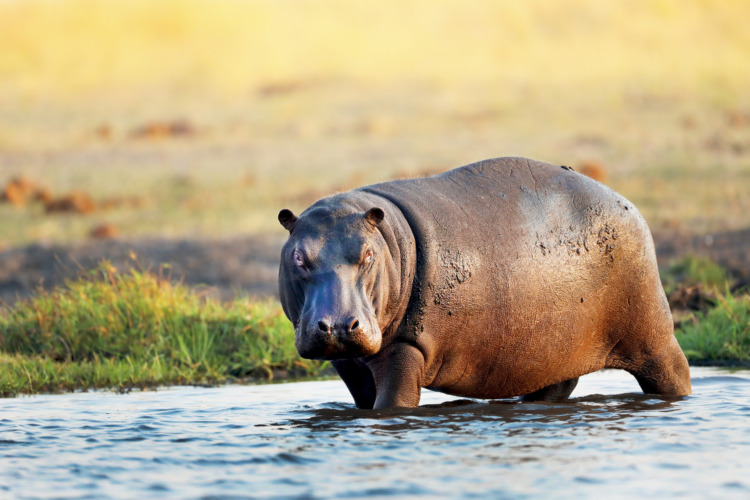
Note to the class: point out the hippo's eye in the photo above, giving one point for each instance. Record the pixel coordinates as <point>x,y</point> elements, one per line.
<point>368,257</point>
<point>299,261</point>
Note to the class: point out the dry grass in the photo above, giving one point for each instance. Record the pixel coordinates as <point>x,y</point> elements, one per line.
<point>288,100</point>
<point>84,45</point>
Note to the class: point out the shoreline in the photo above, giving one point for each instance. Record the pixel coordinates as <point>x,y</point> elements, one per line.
<point>325,375</point>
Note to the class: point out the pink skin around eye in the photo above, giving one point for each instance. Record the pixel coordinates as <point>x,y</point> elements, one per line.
<point>368,256</point>
<point>298,261</point>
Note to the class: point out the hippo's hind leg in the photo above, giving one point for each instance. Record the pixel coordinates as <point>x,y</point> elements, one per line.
<point>666,373</point>
<point>554,392</point>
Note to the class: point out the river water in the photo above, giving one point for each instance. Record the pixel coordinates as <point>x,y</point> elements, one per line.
<point>306,440</point>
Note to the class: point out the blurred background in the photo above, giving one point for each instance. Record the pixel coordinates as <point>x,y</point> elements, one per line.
<point>175,130</point>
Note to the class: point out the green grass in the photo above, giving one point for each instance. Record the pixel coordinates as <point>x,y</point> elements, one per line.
<point>720,335</point>
<point>693,270</point>
<point>123,331</point>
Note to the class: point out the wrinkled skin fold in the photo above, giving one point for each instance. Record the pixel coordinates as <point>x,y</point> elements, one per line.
<point>507,277</point>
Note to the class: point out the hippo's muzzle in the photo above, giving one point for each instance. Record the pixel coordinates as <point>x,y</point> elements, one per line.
<point>337,319</point>
<point>343,337</point>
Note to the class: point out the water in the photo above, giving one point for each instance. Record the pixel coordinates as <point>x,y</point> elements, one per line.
<point>306,440</point>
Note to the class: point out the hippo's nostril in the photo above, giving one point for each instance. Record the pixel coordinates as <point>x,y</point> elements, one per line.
<point>354,325</point>
<point>324,326</point>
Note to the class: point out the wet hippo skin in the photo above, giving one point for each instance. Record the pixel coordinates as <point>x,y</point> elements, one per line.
<point>507,277</point>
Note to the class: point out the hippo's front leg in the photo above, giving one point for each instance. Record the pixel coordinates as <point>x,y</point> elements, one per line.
<point>358,379</point>
<point>398,372</point>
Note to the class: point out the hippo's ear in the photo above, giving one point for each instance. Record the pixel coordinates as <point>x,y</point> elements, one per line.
<point>287,219</point>
<point>374,216</point>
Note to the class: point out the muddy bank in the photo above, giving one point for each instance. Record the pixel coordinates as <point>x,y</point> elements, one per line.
<point>730,249</point>
<point>224,267</point>
<point>250,264</point>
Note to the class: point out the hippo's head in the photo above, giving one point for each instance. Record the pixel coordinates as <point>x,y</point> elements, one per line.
<point>333,280</point>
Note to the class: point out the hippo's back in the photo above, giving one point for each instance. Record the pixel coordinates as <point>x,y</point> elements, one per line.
<point>514,205</point>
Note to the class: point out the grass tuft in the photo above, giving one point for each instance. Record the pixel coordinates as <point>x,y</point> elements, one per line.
<point>722,334</point>
<point>136,329</point>
<point>692,270</point>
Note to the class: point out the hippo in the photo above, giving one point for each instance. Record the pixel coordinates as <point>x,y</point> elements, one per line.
<point>507,277</point>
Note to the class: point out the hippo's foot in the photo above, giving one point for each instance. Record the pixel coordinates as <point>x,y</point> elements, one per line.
<point>554,392</point>
<point>667,373</point>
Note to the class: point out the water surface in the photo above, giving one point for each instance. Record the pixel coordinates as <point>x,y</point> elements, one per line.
<point>306,440</point>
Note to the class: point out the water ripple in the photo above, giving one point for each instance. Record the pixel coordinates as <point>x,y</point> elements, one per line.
<point>307,440</point>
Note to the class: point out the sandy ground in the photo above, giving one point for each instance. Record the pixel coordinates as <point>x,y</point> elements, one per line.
<point>249,265</point>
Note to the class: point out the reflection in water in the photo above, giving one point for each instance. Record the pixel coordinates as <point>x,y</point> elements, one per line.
<point>307,440</point>
<point>455,414</point>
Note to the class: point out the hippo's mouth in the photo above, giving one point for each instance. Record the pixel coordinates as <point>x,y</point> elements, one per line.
<point>333,345</point>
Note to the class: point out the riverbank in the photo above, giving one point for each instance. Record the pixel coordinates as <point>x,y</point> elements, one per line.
<point>135,329</point>
<point>125,330</point>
